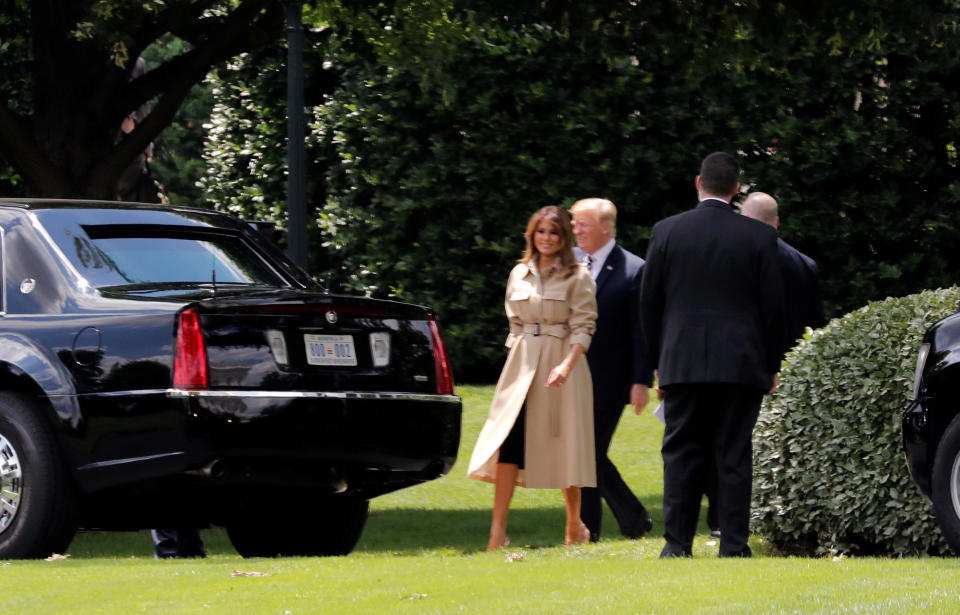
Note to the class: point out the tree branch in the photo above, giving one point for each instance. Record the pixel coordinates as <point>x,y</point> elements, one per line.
<point>253,23</point>
<point>19,145</point>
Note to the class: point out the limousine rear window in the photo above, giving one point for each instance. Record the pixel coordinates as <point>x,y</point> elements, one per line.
<point>115,256</point>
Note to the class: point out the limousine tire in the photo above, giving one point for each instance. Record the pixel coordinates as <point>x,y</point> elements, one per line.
<point>946,484</point>
<point>332,527</point>
<point>37,505</point>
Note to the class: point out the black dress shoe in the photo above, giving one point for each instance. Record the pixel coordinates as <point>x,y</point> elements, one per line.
<point>644,528</point>
<point>744,552</point>
<point>670,551</point>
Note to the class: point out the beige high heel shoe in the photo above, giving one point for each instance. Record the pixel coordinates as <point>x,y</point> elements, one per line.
<point>504,543</point>
<point>579,540</point>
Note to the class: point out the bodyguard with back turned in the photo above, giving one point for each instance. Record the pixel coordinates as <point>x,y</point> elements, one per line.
<point>711,306</point>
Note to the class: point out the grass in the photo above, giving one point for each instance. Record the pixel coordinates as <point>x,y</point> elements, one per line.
<point>422,553</point>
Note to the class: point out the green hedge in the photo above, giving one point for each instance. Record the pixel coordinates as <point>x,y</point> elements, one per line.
<point>434,147</point>
<point>830,475</point>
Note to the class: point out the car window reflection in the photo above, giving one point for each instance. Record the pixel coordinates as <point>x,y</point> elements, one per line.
<point>113,261</point>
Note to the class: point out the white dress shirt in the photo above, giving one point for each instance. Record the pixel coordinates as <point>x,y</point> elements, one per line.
<point>600,257</point>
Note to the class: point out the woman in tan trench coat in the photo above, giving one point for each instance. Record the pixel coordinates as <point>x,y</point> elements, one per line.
<point>552,310</point>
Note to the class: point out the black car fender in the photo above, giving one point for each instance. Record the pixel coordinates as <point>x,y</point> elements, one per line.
<point>23,361</point>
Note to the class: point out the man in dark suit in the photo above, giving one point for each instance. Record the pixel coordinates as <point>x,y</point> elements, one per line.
<point>711,304</point>
<point>617,360</point>
<point>801,297</point>
<point>801,280</point>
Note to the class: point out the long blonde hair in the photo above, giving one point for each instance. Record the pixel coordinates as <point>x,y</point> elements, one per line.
<point>559,217</point>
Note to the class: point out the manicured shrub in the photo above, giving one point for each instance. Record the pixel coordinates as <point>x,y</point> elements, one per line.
<point>829,470</point>
<point>430,146</point>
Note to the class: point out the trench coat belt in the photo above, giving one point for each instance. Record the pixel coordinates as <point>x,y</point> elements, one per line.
<point>560,330</point>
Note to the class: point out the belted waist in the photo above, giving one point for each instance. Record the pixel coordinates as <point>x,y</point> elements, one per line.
<point>560,330</point>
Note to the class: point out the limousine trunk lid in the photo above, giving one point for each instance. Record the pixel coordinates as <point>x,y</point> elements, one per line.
<point>300,341</point>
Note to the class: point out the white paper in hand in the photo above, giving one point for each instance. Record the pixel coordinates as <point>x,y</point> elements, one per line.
<point>658,412</point>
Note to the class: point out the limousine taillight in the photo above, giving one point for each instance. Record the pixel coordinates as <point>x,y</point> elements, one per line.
<point>190,362</point>
<point>444,373</point>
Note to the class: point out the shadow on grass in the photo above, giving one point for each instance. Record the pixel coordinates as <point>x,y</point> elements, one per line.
<point>409,529</point>
<point>136,545</point>
<point>400,530</point>
<point>466,531</point>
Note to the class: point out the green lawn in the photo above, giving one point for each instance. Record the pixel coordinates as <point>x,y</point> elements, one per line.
<point>422,553</point>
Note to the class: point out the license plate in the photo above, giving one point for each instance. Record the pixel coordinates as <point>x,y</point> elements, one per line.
<point>330,349</point>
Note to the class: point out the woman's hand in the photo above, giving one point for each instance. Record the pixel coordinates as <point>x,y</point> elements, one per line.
<point>558,375</point>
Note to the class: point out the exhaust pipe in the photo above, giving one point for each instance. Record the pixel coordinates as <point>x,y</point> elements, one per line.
<point>213,469</point>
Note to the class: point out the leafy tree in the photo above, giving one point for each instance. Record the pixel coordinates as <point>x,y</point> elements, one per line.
<point>852,111</point>
<point>14,77</point>
<point>63,104</point>
<point>178,150</point>
<point>433,162</point>
<point>245,164</point>
<point>245,167</point>
<point>432,155</point>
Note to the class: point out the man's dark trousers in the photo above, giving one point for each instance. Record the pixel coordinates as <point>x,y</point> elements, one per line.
<point>708,426</point>
<point>629,512</point>
<point>179,542</point>
<point>617,358</point>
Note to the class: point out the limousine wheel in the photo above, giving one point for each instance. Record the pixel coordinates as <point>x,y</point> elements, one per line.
<point>330,527</point>
<point>946,484</point>
<point>36,503</point>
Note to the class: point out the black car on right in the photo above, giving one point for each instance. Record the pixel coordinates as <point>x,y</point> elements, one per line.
<point>931,425</point>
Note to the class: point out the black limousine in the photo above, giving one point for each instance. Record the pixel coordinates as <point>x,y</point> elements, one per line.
<point>931,425</point>
<point>169,367</point>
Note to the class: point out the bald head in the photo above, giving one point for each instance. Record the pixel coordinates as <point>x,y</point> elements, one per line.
<point>761,206</point>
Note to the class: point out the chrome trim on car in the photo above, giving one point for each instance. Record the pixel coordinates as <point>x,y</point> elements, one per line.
<point>3,273</point>
<point>11,483</point>
<point>124,393</point>
<point>117,462</point>
<point>317,395</point>
<point>955,485</point>
<point>918,372</point>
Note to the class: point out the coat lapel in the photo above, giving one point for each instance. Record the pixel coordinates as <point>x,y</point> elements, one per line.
<point>614,261</point>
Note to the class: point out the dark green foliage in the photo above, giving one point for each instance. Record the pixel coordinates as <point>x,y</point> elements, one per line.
<point>433,179</point>
<point>69,81</point>
<point>246,152</point>
<point>862,108</point>
<point>14,77</point>
<point>428,159</point>
<point>829,470</point>
<point>178,150</point>
<point>437,181</point>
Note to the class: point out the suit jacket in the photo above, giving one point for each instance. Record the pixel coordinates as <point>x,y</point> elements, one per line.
<point>801,293</point>
<point>617,354</point>
<point>711,302</point>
